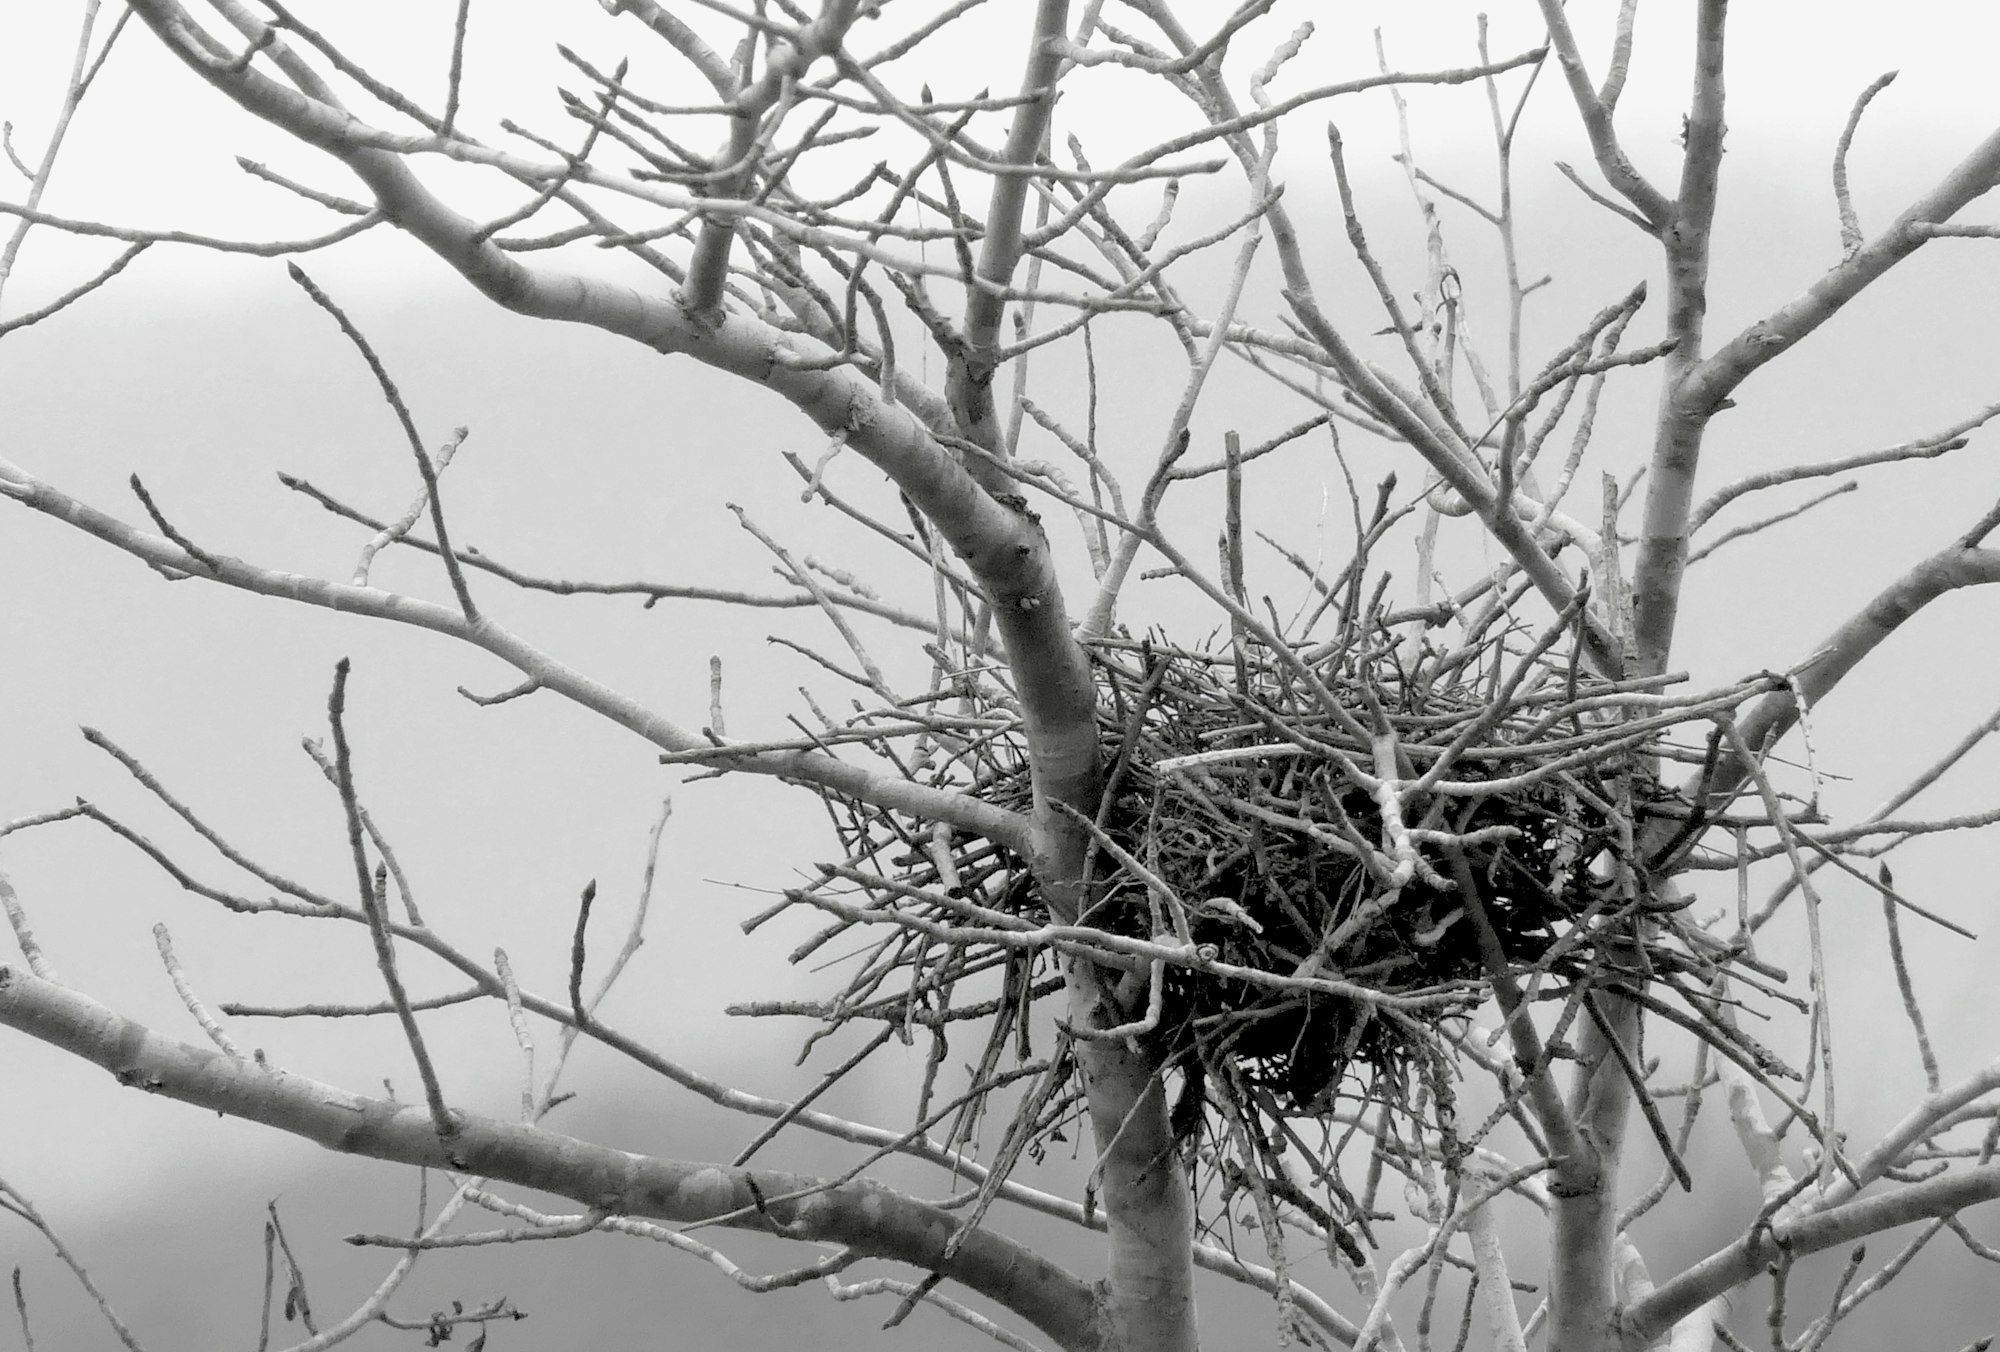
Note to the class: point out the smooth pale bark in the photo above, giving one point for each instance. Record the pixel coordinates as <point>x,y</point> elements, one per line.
<point>866,1217</point>
<point>1583,1192</point>
<point>1678,427</point>
<point>1749,1257</point>
<point>1583,1307</point>
<point>1958,565</point>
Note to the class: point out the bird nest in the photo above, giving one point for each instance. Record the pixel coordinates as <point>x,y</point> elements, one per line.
<point>1306,870</point>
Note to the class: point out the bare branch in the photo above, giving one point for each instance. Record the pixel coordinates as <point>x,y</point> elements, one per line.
<point>1960,564</point>
<point>1766,522</point>
<point>372,903</point>
<point>1655,211</point>
<point>1700,391</point>
<point>1851,237</point>
<point>258,248</point>
<point>425,468</point>
<point>866,1217</point>
<point>1833,1225</point>
<point>809,767</point>
<point>1923,448</point>
<point>12,1200</point>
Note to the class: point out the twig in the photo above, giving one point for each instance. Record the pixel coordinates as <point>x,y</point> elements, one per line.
<point>337,1011</point>
<point>1851,238</point>
<point>1822,1006</point>
<point>394,397</point>
<point>275,248</point>
<point>24,934</point>
<point>152,785</point>
<point>577,953</point>
<point>804,578</point>
<point>12,1200</point>
<point>399,528</point>
<point>1905,987</point>
<point>1766,522</point>
<point>372,1308</point>
<point>375,838</point>
<point>1923,448</point>
<point>187,546</point>
<point>371,903</point>
<point>454,81</point>
<point>77,292</point>
<point>216,1034</point>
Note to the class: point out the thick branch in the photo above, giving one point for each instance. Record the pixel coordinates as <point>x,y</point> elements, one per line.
<point>863,1216</point>
<point>1662,560</point>
<point>1653,1315</point>
<point>1584,1219</point>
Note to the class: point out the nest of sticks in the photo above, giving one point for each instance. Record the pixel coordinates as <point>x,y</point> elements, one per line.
<point>1308,868</point>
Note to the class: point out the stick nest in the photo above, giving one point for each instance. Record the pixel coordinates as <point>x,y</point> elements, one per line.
<point>1306,871</point>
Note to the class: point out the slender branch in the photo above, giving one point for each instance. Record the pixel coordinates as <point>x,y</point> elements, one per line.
<point>256,248</point>
<point>1851,237</point>
<point>77,292</point>
<point>1764,523</point>
<point>373,905</point>
<point>1000,249</point>
<point>1960,564</point>
<point>13,1201</point>
<point>886,789</point>
<point>1702,391</point>
<point>1595,109</point>
<point>394,398</point>
<point>24,934</point>
<point>81,73</point>
<point>1923,448</point>
<point>472,557</point>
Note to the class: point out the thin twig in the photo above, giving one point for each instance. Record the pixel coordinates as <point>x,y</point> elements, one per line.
<point>371,902</point>
<point>394,397</point>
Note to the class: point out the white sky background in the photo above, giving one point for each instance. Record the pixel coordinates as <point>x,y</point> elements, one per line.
<point>592,458</point>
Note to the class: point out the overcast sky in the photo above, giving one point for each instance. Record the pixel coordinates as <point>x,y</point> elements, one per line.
<point>591,458</point>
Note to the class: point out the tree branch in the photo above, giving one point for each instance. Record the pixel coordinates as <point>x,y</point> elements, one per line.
<point>1703,390</point>
<point>1002,545</point>
<point>1648,1318</point>
<point>1662,558</point>
<point>811,767</point>
<point>1005,549</point>
<point>863,1216</point>
<point>1961,564</point>
<point>1596,114</point>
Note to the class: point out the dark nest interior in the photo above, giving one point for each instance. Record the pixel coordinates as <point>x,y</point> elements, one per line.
<point>1309,869</point>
